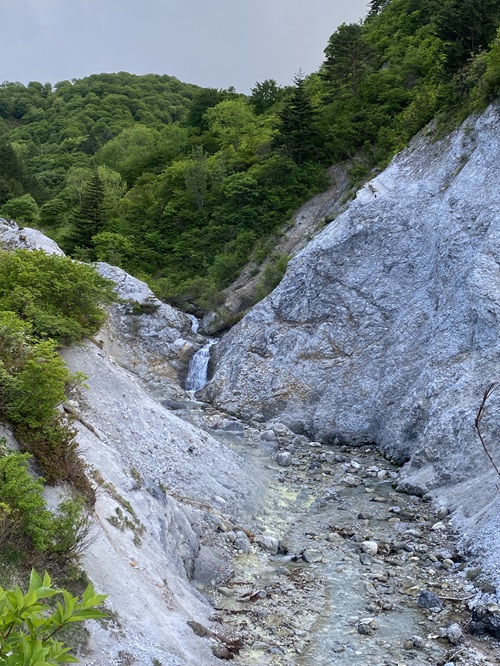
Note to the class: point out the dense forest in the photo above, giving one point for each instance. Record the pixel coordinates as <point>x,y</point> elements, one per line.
<point>182,185</point>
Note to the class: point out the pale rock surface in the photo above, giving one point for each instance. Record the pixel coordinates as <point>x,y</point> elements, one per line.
<point>172,474</point>
<point>385,328</point>
<point>147,336</point>
<point>11,238</point>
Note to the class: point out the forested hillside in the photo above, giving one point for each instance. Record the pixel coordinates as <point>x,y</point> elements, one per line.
<point>183,185</point>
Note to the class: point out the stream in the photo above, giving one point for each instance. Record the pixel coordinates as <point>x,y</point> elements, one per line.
<point>337,559</point>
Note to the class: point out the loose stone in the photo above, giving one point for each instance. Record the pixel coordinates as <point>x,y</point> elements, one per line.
<point>455,634</point>
<point>364,629</point>
<point>284,459</point>
<point>269,543</point>
<point>428,599</point>
<point>365,559</point>
<point>242,542</point>
<point>370,547</point>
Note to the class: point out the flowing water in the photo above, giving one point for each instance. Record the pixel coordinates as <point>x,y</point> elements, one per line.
<point>305,607</point>
<point>195,323</point>
<point>198,367</point>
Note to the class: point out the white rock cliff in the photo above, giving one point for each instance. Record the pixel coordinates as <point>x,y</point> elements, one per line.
<point>385,328</point>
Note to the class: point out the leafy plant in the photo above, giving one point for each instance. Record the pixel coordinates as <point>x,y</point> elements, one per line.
<point>29,622</point>
<point>60,298</point>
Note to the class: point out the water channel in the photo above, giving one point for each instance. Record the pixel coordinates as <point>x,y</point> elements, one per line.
<point>323,600</point>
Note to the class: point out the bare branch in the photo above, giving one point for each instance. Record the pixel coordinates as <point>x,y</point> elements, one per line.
<point>477,423</point>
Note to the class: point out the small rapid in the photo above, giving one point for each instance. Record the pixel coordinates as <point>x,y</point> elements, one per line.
<point>197,375</point>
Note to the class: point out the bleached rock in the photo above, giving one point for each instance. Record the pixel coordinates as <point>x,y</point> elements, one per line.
<point>147,336</point>
<point>11,238</point>
<point>386,327</point>
<point>171,474</point>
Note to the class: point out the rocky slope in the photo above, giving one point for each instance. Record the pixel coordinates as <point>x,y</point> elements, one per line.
<point>385,327</point>
<point>166,491</point>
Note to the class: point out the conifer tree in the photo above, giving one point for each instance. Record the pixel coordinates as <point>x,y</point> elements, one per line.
<point>91,216</point>
<point>347,59</point>
<point>298,136</point>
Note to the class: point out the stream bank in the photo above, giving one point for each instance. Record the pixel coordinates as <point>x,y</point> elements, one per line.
<point>338,567</point>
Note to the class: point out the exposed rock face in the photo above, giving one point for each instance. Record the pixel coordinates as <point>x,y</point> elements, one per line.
<point>11,238</point>
<point>386,327</point>
<point>150,338</point>
<point>162,487</point>
<point>165,489</point>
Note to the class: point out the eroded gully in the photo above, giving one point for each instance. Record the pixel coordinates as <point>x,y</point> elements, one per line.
<point>332,569</point>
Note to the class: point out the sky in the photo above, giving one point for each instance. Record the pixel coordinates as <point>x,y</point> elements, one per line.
<point>213,43</point>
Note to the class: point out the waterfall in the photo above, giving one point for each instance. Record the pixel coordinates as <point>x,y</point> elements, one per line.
<point>195,323</point>
<point>198,367</point>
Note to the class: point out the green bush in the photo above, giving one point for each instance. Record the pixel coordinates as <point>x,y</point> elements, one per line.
<point>21,209</point>
<point>25,514</point>
<point>271,276</point>
<point>60,298</point>
<point>33,383</point>
<point>25,522</point>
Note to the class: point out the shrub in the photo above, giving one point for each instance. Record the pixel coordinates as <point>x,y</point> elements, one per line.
<point>25,515</point>
<point>60,298</point>
<point>26,523</point>
<point>33,383</point>
<point>271,276</point>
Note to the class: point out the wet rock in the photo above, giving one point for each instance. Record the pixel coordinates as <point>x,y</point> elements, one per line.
<point>283,458</point>
<point>428,599</point>
<point>370,547</point>
<point>242,542</point>
<point>311,556</point>
<point>365,559</point>
<point>365,516</point>
<point>268,436</point>
<point>270,544</point>
<point>455,634</point>
<point>234,426</point>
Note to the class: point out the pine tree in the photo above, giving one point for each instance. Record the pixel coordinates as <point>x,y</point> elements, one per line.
<point>467,26</point>
<point>91,216</point>
<point>298,137</point>
<point>376,6</point>
<point>348,58</point>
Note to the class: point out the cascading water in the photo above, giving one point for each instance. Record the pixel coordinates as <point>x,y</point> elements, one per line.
<point>198,367</point>
<point>195,323</point>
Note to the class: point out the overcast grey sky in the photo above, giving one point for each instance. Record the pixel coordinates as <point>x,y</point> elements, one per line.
<point>209,42</point>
